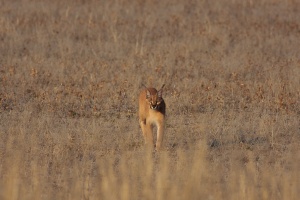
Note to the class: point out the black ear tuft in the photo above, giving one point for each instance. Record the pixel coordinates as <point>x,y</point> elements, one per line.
<point>144,86</point>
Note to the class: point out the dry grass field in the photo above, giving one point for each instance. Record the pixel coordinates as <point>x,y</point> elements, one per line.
<point>71,72</point>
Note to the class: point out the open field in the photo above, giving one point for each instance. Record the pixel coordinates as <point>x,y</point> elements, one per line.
<point>71,72</point>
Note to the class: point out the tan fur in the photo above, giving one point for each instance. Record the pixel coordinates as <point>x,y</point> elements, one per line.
<point>152,109</point>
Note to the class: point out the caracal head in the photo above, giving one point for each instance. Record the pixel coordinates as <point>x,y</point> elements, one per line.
<point>154,98</point>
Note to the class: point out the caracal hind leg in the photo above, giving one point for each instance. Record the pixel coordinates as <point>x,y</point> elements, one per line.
<point>160,134</point>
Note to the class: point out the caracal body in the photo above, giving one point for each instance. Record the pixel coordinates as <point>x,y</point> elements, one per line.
<point>152,110</point>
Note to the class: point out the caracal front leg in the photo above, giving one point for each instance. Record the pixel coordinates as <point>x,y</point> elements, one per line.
<point>147,132</point>
<point>160,134</point>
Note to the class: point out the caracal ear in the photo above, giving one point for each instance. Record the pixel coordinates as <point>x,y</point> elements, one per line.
<point>159,93</point>
<point>147,91</point>
<point>147,94</point>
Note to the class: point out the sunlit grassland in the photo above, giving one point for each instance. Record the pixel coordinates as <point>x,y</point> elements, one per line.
<point>71,72</point>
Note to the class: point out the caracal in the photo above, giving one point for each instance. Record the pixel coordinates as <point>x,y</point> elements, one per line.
<point>152,109</point>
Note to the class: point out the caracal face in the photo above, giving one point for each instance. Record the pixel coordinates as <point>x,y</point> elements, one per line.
<point>152,109</point>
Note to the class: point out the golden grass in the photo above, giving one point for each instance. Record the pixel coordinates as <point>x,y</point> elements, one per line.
<point>70,74</point>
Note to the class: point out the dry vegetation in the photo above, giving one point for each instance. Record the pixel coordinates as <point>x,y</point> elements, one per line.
<point>70,74</point>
